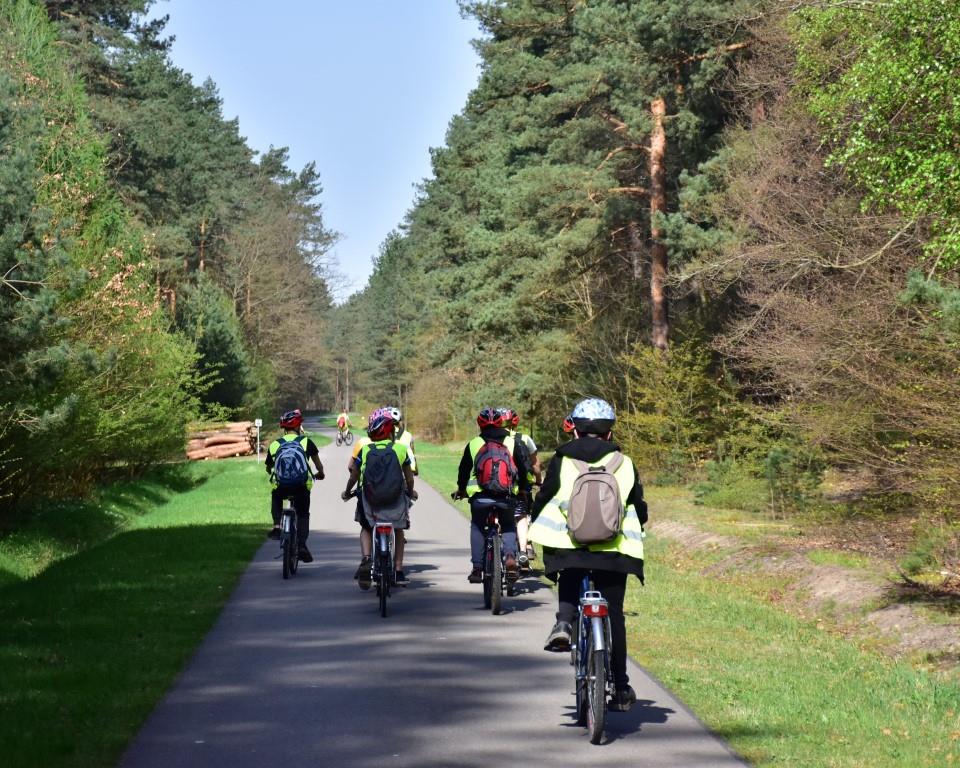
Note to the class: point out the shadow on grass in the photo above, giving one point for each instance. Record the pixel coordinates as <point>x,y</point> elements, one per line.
<point>88,646</point>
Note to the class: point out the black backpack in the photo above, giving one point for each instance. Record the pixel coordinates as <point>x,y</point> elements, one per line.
<point>383,480</point>
<point>290,464</point>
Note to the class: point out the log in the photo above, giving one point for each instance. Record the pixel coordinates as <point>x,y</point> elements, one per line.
<point>225,439</point>
<point>224,451</point>
<point>196,444</point>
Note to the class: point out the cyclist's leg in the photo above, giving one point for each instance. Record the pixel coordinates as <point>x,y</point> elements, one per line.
<point>508,529</point>
<point>614,588</point>
<point>276,507</point>
<point>478,518</point>
<point>301,497</point>
<point>568,598</point>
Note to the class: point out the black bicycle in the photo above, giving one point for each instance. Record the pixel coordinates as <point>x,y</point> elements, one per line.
<point>495,581</point>
<point>289,546</point>
<point>383,572</point>
<point>590,656</point>
<point>344,437</point>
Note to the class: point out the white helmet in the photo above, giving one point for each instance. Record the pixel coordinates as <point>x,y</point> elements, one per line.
<point>395,414</point>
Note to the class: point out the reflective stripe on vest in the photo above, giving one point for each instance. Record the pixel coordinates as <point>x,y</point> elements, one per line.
<point>473,487</point>
<point>550,527</point>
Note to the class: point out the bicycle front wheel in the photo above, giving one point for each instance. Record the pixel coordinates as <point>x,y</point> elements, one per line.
<point>596,689</point>
<point>496,577</point>
<point>348,438</point>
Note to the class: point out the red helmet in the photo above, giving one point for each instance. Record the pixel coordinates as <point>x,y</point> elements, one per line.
<point>489,417</point>
<point>291,419</point>
<point>510,417</point>
<point>380,424</point>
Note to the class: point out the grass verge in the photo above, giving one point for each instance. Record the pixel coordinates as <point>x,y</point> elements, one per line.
<point>779,689</point>
<point>89,643</point>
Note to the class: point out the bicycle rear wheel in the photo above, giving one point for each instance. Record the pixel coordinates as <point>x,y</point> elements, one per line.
<point>496,577</point>
<point>286,546</point>
<point>383,584</point>
<point>596,685</point>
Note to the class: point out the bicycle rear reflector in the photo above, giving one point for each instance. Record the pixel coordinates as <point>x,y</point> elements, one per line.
<point>385,529</point>
<point>598,610</point>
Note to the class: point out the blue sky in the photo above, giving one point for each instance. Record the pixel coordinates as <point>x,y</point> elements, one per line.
<point>362,87</point>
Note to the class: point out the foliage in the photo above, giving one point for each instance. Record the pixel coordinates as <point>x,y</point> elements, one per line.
<point>882,81</point>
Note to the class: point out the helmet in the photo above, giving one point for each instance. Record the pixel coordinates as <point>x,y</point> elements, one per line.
<point>489,417</point>
<point>394,413</point>
<point>593,416</point>
<point>291,419</point>
<point>510,417</point>
<point>380,424</point>
<point>568,424</point>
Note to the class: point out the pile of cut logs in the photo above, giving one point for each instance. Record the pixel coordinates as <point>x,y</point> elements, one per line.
<point>236,438</point>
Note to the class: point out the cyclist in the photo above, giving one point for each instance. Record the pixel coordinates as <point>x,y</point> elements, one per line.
<point>402,435</point>
<point>291,423</point>
<point>610,561</point>
<point>511,421</point>
<point>380,429</point>
<point>470,486</point>
<point>343,422</point>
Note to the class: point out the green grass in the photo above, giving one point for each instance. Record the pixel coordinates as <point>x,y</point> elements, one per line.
<point>438,465</point>
<point>94,632</point>
<point>842,559</point>
<point>778,689</point>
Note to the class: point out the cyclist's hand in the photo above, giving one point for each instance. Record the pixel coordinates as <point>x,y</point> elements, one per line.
<point>318,475</point>
<point>413,495</point>
<point>346,495</point>
<point>456,496</point>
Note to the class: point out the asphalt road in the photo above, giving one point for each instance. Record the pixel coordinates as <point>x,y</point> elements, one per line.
<point>306,672</point>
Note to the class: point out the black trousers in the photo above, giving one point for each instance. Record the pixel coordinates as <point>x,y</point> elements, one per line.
<point>613,586</point>
<point>301,500</point>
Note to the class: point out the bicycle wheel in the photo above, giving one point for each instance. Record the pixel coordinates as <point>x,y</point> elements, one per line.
<point>383,585</point>
<point>286,539</point>
<point>496,577</point>
<point>294,544</point>
<point>348,438</point>
<point>596,684</point>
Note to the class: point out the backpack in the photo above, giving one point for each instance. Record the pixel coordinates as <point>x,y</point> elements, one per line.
<point>595,511</point>
<point>495,470</point>
<point>290,464</point>
<point>382,475</point>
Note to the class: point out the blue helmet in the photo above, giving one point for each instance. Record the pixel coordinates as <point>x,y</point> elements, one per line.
<point>593,416</point>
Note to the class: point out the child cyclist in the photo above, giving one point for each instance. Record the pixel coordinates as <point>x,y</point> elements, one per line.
<point>609,561</point>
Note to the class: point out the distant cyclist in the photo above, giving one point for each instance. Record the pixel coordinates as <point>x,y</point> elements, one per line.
<point>343,422</point>
<point>480,475</point>
<point>289,471</point>
<point>564,509</point>
<point>382,470</point>
<point>511,421</point>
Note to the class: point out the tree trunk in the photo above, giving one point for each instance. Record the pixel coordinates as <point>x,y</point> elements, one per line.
<point>660,331</point>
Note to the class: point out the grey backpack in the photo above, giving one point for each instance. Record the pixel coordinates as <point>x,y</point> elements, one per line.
<point>595,512</point>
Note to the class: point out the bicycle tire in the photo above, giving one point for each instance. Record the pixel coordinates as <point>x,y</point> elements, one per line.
<point>496,577</point>
<point>294,543</point>
<point>596,695</point>
<point>348,438</point>
<point>285,547</point>
<point>383,584</point>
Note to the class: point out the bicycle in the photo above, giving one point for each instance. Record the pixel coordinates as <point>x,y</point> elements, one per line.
<point>495,581</point>
<point>590,656</point>
<point>289,547</point>
<point>344,437</point>
<point>383,543</point>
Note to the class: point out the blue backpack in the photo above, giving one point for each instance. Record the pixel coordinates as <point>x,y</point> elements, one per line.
<point>290,464</point>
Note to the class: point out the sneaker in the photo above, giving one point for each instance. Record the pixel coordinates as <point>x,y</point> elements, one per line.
<point>510,566</point>
<point>274,533</point>
<point>400,578</point>
<point>623,699</point>
<point>531,553</point>
<point>560,637</point>
<point>476,576</point>
<point>364,573</point>
<point>304,554</point>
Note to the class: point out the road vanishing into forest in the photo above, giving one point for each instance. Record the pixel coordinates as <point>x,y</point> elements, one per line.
<point>306,672</point>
